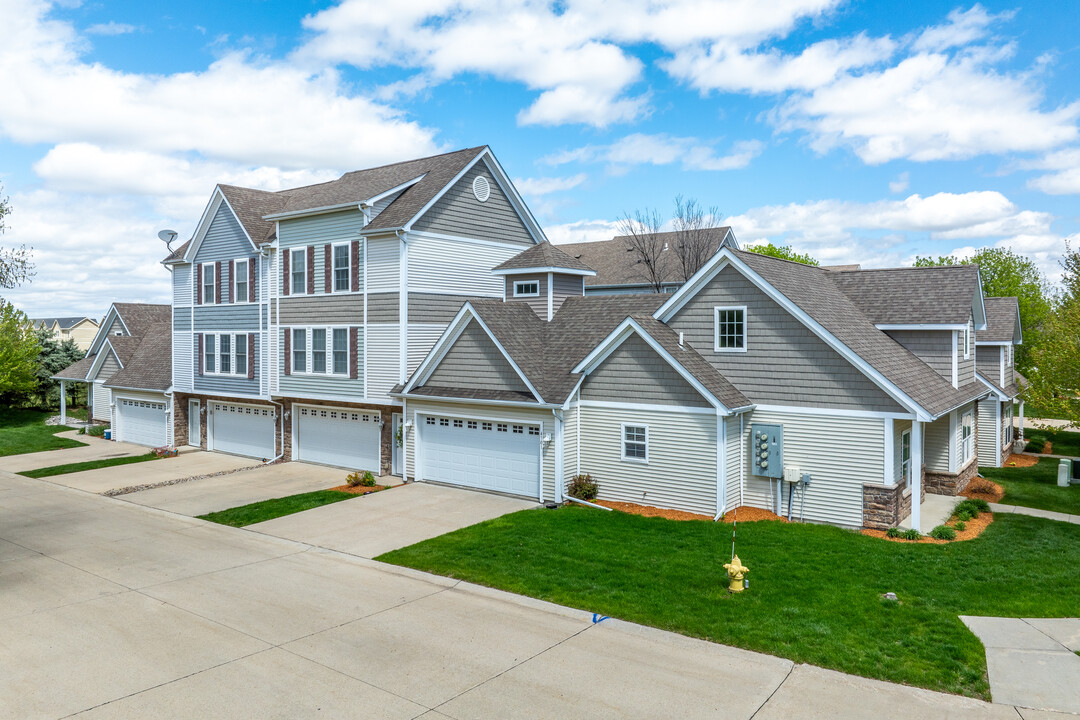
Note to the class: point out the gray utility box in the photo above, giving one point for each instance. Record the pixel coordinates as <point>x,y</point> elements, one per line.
<point>767,450</point>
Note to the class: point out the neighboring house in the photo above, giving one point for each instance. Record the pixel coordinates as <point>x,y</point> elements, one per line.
<point>863,379</point>
<point>79,329</point>
<point>994,360</point>
<point>296,312</point>
<point>128,374</point>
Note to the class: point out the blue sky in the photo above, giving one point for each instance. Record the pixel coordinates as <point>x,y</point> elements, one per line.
<point>857,131</point>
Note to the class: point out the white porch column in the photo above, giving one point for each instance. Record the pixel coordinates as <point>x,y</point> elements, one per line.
<point>1021,434</point>
<point>63,403</point>
<point>916,474</point>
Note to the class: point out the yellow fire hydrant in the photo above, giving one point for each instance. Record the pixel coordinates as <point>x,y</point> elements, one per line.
<point>736,572</point>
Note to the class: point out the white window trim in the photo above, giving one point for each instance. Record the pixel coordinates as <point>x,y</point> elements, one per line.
<point>967,449</point>
<point>309,358</point>
<point>212,267</point>
<point>334,268</point>
<point>302,251</point>
<point>233,295</point>
<point>232,354</point>
<point>716,328</point>
<point>622,443</point>
<point>905,473</point>
<point>518,283</point>
<point>967,342</point>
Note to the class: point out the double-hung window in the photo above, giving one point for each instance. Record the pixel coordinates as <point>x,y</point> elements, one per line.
<point>905,457</point>
<point>298,271</point>
<point>341,268</point>
<point>299,350</point>
<point>209,354</point>
<point>967,341</point>
<point>1008,424</point>
<point>635,443</point>
<point>527,288</point>
<point>730,329</point>
<point>240,361</point>
<point>341,351</point>
<point>967,438</point>
<point>225,353</point>
<point>240,281</point>
<point>318,350</point>
<point>208,284</point>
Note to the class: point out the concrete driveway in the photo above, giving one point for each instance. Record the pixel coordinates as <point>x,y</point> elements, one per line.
<point>123,611</point>
<point>184,465</point>
<point>95,449</point>
<point>391,519</point>
<point>222,492</point>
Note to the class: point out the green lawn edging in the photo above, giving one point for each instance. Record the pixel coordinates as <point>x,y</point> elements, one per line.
<point>24,431</point>
<point>88,465</point>
<point>278,507</point>
<point>1063,442</point>
<point>1035,487</point>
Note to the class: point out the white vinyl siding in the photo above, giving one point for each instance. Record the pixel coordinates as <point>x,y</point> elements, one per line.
<point>383,361</point>
<point>810,443</point>
<point>989,451</point>
<point>441,265</point>
<point>422,337</point>
<point>384,263</point>
<point>182,289</point>
<point>681,472</point>
<point>937,444</point>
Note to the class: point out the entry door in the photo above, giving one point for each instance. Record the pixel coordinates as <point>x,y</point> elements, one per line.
<point>399,432</point>
<point>194,423</point>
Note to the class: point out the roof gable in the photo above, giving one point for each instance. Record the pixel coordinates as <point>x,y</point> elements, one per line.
<point>939,295</point>
<point>1002,322</point>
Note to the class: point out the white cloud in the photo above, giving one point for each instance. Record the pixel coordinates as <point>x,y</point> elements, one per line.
<point>660,149</point>
<point>963,27</point>
<point>1065,178</point>
<point>110,28</point>
<point>582,231</point>
<point>535,187</point>
<point>901,183</point>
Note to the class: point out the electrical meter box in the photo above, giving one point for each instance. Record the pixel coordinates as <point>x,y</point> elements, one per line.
<point>767,450</point>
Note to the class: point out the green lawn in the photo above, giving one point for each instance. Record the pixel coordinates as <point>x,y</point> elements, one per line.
<point>270,509</point>
<point>815,591</point>
<point>1035,487</point>
<point>88,465</point>
<point>25,431</point>
<point>1065,442</point>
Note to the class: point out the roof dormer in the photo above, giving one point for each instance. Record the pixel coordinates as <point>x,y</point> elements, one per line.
<point>543,277</point>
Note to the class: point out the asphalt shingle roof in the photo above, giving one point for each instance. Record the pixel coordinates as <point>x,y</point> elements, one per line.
<point>77,370</point>
<point>616,263</point>
<point>923,295</point>
<point>149,366</point>
<point>543,255</point>
<point>66,323</point>
<point>1002,315</point>
<point>139,317</point>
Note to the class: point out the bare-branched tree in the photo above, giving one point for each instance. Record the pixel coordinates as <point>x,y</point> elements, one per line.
<point>641,231</point>
<point>16,266</point>
<point>695,238</point>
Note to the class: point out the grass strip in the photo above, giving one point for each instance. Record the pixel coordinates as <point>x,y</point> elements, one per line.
<point>24,431</point>
<point>278,507</point>
<point>88,465</point>
<point>1035,487</point>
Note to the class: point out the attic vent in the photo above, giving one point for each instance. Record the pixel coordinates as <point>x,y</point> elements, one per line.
<point>481,189</point>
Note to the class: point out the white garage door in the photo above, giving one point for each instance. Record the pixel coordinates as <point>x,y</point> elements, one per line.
<point>339,437</point>
<point>501,456</point>
<point>142,422</point>
<point>242,430</point>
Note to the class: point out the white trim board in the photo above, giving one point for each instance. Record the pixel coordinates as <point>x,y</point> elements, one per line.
<point>642,407</point>
<point>545,269</point>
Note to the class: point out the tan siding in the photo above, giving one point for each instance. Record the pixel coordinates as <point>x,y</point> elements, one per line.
<point>936,445</point>
<point>565,286</point>
<point>458,212</point>
<point>810,443</point>
<point>681,472</point>
<point>785,363</point>
<point>988,451</point>
<point>324,310</point>
<point>988,362</point>
<point>635,371</point>
<point>539,303</point>
<point>474,362</point>
<point>434,308</point>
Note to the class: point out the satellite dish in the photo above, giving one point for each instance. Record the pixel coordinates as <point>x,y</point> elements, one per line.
<point>167,236</point>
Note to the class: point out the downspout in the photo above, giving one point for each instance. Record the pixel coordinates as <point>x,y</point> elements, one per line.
<point>742,456</point>
<point>571,498</point>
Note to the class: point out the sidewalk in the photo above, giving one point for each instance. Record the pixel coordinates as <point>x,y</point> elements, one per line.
<point>1035,512</point>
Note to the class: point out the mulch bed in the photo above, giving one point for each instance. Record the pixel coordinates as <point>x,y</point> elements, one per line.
<point>359,489</point>
<point>972,530</point>
<point>982,489</point>
<point>1015,460</point>
<point>745,513</point>
<point>648,511</point>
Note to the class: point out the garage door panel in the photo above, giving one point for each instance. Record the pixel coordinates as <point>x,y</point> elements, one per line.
<point>482,454</point>
<point>142,422</point>
<point>244,430</point>
<point>339,437</point>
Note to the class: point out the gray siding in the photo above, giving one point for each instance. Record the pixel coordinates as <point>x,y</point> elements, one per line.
<point>225,240</point>
<point>458,212</point>
<point>383,204</point>
<point>735,461</point>
<point>181,320</point>
<point>988,362</point>
<point>635,372</point>
<point>785,363</point>
<point>116,326</point>
<point>307,386</point>
<point>539,303</point>
<point>224,384</point>
<point>474,362</point>
<point>225,317</point>
<point>933,347</point>
<point>109,366</point>
<point>566,286</point>
<point>323,310</point>
<point>965,368</point>
<point>384,307</point>
<point>433,308</point>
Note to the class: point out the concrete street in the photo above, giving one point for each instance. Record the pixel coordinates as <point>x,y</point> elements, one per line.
<point>116,610</point>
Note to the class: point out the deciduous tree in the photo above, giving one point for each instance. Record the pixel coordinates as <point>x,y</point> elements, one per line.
<point>19,351</point>
<point>784,252</point>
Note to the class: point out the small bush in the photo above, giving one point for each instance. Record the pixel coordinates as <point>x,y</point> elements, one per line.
<point>367,479</point>
<point>583,487</point>
<point>970,509</point>
<point>963,516</point>
<point>981,504</point>
<point>361,479</point>
<point>960,526</point>
<point>894,532</point>
<point>943,532</point>
<point>911,534</point>
<point>96,430</point>
<point>982,486</point>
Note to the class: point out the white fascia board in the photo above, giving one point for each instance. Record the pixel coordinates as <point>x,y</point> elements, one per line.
<point>990,343</point>
<point>474,401</point>
<point>408,184</point>
<point>313,211</point>
<point>978,305</point>
<point>136,389</point>
<point>546,269</point>
<point>725,257</point>
<point>408,226</point>
<point>516,200</point>
<point>208,217</point>
<point>920,326</point>
<point>100,360</point>
<point>101,333</point>
<point>616,338</point>
<point>1018,334</point>
<point>835,412</point>
<point>993,388</point>
<point>729,240</point>
<point>645,407</point>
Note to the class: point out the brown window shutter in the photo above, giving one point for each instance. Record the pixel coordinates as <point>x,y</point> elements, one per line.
<point>354,334</point>
<point>232,283</point>
<point>285,271</point>
<point>251,356</point>
<point>198,351</point>
<point>251,280</point>
<point>355,265</point>
<point>288,351</point>
<point>198,284</point>
<point>217,282</point>
<point>328,268</point>
<point>311,269</point>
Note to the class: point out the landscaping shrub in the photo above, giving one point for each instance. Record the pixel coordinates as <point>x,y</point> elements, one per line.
<point>911,534</point>
<point>970,509</point>
<point>363,479</point>
<point>894,532</point>
<point>961,526</point>
<point>94,430</point>
<point>943,532</point>
<point>963,516</point>
<point>583,487</point>
<point>981,504</point>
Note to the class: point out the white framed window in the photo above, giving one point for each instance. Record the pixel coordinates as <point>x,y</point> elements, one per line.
<point>342,267</point>
<point>327,348</point>
<point>208,284</point>
<point>527,288</point>
<point>298,271</point>
<point>729,332</point>
<point>240,281</point>
<point>635,443</point>
<point>1008,355</point>
<point>341,351</point>
<point>318,350</point>
<point>905,457</point>
<point>967,341</point>
<point>1008,424</point>
<point>225,354</point>
<point>299,350</point>
<point>967,438</point>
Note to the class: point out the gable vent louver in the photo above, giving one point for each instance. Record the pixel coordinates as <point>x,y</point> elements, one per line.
<point>481,188</point>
